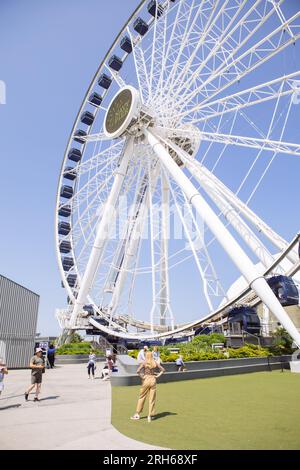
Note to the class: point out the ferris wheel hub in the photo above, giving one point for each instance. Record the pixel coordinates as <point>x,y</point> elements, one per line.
<point>127,114</point>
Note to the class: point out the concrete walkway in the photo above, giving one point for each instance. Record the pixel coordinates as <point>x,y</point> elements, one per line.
<point>74,413</point>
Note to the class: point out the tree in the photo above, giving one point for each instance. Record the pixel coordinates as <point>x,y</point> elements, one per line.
<point>75,338</point>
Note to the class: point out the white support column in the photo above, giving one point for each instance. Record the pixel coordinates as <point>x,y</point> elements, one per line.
<point>204,175</point>
<point>239,225</point>
<point>131,248</point>
<point>227,241</point>
<point>164,268</point>
<point>102,234</point>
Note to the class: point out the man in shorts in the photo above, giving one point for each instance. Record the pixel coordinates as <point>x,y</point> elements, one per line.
<point>37,366</point>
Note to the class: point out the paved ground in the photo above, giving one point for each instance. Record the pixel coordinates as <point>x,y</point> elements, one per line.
<point>74,413</point>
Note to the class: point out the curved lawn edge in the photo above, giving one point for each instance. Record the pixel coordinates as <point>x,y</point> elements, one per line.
<point>255,411</point>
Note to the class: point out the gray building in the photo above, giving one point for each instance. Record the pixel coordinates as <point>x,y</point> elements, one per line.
<point>18,320</point>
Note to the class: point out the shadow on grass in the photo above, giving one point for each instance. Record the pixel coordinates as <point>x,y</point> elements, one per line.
<point>164,414</point>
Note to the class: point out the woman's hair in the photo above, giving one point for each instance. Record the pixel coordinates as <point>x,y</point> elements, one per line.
<point>149,361</point>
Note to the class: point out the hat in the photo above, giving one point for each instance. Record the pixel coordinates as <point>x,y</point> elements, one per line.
<point>38,350</point>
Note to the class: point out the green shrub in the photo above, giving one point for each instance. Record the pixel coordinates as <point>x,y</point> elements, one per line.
<point>76,348</point>
<point>282,342</point>
<point>133,353</point>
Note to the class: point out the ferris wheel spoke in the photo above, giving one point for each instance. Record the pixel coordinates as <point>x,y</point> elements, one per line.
<point>138,67</point>
<point>251,59</point>
<point>282,86</point>
<point>102,234</point>
<point>95,137</point>
<point>170,42</point>
<point>184,75</point>
<point>221,37</point>
<point>251,142</point>
<point>234,37</point>
<point>207,22</point>
<point>275,154</point>
<point>141,71</point>
<point>161,53</point>
<point>92,185</point>
<point>106,156</point>
<point>204,266</point>
<point>131,243</point>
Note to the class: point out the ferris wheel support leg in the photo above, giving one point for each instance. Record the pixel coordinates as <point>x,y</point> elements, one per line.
<point>227,241</point>
<point>165,308</point>
<point>102,234</point>
<point>204,176</point>
<point>239,225</point>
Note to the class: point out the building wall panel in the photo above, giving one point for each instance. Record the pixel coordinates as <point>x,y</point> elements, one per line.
<point>18,321</point>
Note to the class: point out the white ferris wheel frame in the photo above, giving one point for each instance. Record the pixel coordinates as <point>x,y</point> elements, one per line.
<point>227,202</point>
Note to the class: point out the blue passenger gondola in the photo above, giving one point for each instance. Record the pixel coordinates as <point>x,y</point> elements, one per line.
<point>126,45</point>
<point>66,192</point>
<point>285,290</point>
<point>70,173</point>
<point>155,8</point>
<point>140,26</point>
<point>64,210</point>
<point>115,63</point>
<point>243,319</point>
<point>104,81</point>
<point>65,247</point>
<point>151,343</point>
<point>182,339</point>
<point>75,155</point>
<point>89,308</point>
<point>78,134</point>
<point>208,329</point>
<point>67,263</point>
<point>95,99</point>
<point>64,228</point>
<point>87,118</point>
<point>71,279</point>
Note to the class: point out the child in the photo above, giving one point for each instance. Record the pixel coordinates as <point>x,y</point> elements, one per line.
<point>3,371</point>
<point>91,365</point>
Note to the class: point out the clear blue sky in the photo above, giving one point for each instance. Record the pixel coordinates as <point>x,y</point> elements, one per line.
<point>49,51</point>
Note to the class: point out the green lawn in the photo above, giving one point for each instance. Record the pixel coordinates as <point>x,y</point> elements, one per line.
<point>251,411</point>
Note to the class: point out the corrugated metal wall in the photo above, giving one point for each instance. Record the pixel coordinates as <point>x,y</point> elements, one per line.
<point>18,320</point>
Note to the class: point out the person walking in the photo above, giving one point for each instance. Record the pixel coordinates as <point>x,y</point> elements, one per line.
<point>37,366</point>
<point>51,355</point>
<point>3,371</point>
<point>92,365</point>
<point>156,354</point>
<point>109,369</point>
<point>147,372</point>
<point>141,354</point>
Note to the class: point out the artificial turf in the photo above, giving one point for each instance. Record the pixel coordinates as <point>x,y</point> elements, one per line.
<point>250,411</point>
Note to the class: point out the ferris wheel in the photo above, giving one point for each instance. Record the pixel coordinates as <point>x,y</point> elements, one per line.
<point>174,163</point>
